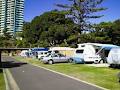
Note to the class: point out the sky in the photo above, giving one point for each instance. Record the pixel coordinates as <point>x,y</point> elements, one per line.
<point>37,7</point>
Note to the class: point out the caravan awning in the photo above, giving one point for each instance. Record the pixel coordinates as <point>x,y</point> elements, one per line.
<point>108,47</point>
<point>39,49</point>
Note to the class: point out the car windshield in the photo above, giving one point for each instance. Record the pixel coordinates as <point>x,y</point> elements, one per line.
<point>61,55</point>
<point>54,55</point>
<point>48,55</point>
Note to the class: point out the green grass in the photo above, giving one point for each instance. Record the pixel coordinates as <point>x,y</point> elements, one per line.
<point>104,77</point>
<point>2,82</point>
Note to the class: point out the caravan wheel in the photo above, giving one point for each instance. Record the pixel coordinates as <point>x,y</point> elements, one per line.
<point>96,62</point>
<point>101,61</point>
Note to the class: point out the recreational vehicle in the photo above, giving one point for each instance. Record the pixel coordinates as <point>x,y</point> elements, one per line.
<point>92,52</point>
<point>114,57</point>
<point>24,53</point>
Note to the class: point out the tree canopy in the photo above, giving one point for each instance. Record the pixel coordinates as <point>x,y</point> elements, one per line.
<point>52,27</point>
<point>81,11</point>
<point>63,28</point>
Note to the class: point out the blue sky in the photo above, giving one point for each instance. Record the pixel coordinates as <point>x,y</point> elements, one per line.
<point>37,7</point>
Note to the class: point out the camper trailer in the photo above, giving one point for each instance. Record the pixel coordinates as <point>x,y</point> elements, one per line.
<point>67,51</point>
<point>114,57</point>
<point>92,52</point>
<point>24,53</point>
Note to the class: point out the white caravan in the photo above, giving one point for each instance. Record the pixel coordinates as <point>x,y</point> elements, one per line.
<point>93,52</point>
<point>24,53</point>
<point>114,57</point>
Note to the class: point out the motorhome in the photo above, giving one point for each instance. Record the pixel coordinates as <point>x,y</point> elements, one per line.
<point>92,52</point>
<point>114,57</point>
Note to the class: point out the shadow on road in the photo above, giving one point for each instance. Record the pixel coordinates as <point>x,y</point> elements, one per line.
<point>12,64</point>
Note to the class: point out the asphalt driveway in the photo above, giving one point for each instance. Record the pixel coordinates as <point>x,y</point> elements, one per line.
<point>29,77</point>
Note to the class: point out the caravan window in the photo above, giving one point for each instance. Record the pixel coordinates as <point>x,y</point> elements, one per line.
<point>56,51</point>
<point>49,51</point>
<point>79,51</point>
<point>46,53</point>
<point>42,53</point>
<point>82,45</point>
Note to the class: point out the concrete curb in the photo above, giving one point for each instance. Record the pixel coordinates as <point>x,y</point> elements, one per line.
<point>71,77</point>
<point>9,80</point>
<point>6,81</point>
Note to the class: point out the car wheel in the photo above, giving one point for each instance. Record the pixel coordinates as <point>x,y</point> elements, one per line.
<point>50,62</point>
<point>70,60</point>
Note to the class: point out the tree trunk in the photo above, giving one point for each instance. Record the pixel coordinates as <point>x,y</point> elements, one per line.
<point>0,60</point>
<point>78,37</point>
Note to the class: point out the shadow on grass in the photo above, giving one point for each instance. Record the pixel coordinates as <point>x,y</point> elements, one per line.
<point>115,66</point>
<point>0,70</point>
<point>11,64</point>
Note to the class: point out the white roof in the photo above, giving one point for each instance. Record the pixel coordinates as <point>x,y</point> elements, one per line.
<point>98,44</point>
<point>61,48</point>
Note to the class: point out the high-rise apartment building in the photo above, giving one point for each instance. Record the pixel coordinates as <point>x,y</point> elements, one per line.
<point>11,16</point>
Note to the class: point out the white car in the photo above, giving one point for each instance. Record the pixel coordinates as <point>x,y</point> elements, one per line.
<point>42,54</point>
<point>53,58</point>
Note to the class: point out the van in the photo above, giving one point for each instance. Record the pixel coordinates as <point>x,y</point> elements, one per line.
<point>40,51</point>
<point>114,57</point>
<point>53,51</point>
<point>42,54</point>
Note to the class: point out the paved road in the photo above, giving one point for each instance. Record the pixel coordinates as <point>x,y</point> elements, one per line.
<point>29,77</point>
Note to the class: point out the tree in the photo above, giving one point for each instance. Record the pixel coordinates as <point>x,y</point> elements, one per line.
<point>7,35</point>
<point>49,29</point>
<point>81,11</point>
<point>102,32</point>
<point>107,32</point>
<point>115,32</point>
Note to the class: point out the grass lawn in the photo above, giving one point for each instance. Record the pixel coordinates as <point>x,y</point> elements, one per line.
<point>2,82</point>
<point>104,77</point>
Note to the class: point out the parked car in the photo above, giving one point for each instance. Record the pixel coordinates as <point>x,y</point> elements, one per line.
<point>78,60</point>
<point>53,58</point>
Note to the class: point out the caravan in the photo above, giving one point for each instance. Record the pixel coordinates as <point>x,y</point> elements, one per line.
<point>92,52</point>
<point>114,58</point>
